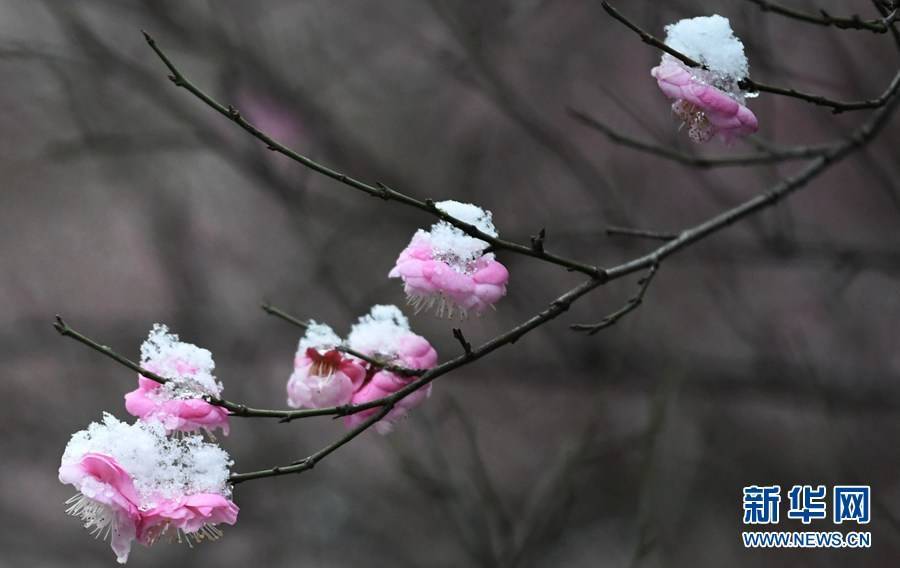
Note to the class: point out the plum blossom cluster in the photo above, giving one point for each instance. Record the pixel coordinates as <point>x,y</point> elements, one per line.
<point>709,100</point>
<point>446,269</point>
<point>155,479</point>
<point>325,376</point>
<point>136,483</point>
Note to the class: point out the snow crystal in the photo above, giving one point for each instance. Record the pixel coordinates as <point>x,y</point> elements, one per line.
<point>319,336</point>
<point>450,243</point>
<point>468,213</point>
<point>189,367</point>
<point>378,331</point>
<point>709,40</point>
<point>162,467</point>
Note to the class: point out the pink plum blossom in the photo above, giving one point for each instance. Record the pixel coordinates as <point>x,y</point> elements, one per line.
<point>195,516</point>
<point>431,279</point>
<point>706,110</point>
<point>323,376</point>
<point>148,402</point>
<point>323,379</point>
<point>135,483</point>
<point>178,404</point>
<point>450,270</point>
<point>708,99</point>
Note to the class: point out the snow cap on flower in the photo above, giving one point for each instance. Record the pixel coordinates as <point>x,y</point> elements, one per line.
<point>323,376</point>
<point>710,41</point>
<point>319,336</point>
<point>446,268</point>
<point>178,403</point>
<point>709,101</point>
<point>384,333</point>
<point>378,332</point>
<point>135,483</point>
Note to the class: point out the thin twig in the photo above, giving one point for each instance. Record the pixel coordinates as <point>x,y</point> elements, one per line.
<point>630,305</point>
<point>765,157</point>
<point>279,313</point>
<point>378,190</point>
<point>458,334</point>
<point>823,18</point>
<point>754,86</point>
<point>311,460</point>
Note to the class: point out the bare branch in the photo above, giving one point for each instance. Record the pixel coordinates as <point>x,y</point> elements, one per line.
<point>458,334</point>
<point>765,157</point>
<point>311,460</point>
<point>377,190</point>
<point>630,305</point>
<point>823,18</point>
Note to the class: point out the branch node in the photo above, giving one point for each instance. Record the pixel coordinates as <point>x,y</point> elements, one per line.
<point>384,193</point>
<point>60,326</point>
<point>467,347</point>
<point>537,241</point>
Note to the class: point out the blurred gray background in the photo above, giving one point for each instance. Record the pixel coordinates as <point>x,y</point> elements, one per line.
<point>767,354</point>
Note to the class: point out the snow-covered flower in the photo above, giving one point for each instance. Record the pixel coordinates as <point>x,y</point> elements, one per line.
<point>448,269</point>
<point>709,101</point>
<point>385,335</point>
<point>323,376</point>
<point>135,483</point>
<point>179,403</point>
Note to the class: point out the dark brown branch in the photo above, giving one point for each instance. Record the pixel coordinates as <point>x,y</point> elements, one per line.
<point>750,85</point>
<point>766,157</point>
<point>631,305</point>
<point>377,190</point>
<point>311,460</point>
<point>823,18</point>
